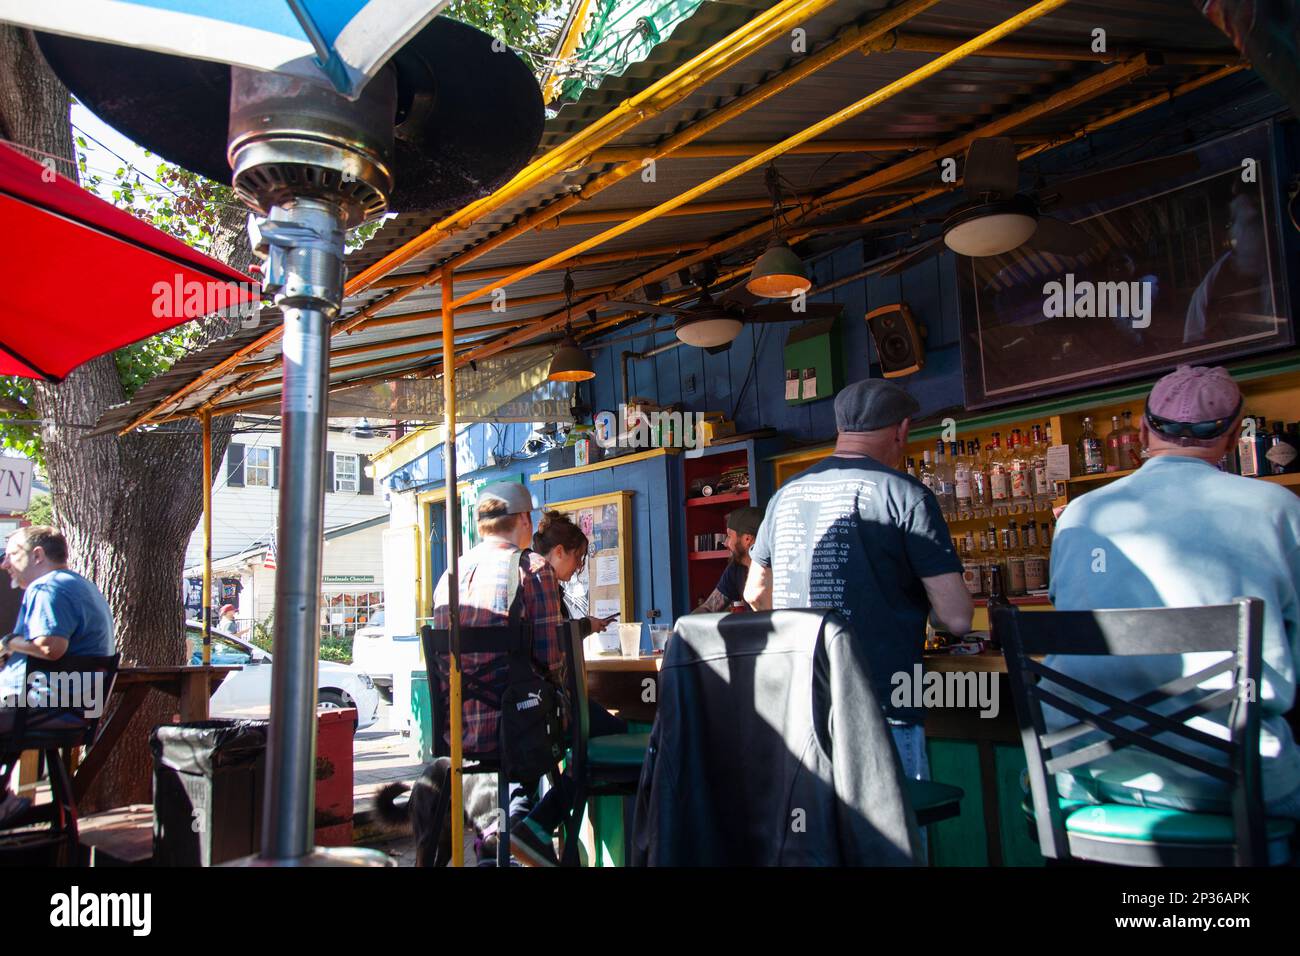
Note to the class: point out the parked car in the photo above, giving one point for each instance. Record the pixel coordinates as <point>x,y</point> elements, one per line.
<point>247,692</point>
<point>381,654</point>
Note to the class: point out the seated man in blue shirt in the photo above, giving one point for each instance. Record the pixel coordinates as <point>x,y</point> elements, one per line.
<point>61,613</point>
<point>1180,533</point>
<point>742,526</point>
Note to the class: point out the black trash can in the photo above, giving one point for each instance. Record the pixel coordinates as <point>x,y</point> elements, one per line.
<point>207,791</point>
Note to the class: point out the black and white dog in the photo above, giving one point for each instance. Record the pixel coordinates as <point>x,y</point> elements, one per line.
<point>425,812</point>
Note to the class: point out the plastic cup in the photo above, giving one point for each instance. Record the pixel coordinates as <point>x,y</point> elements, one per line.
<point>629,639</point>
<point>659,634</point>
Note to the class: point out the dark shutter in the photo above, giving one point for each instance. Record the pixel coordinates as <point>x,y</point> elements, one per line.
<point>367,483</point>
<point>235,465</point>
<point>275,467</point>
<point>329,471</point>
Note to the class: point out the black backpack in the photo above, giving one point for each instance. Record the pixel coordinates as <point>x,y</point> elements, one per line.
<point>532,707</point>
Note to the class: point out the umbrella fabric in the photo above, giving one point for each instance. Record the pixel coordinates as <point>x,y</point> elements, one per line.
<point>344,41</point>
<point>85,278</point>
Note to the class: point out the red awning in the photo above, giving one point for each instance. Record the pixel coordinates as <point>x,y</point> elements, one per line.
<point>83,278</point>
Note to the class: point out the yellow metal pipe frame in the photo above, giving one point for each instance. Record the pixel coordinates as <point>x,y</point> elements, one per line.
<point>937,65</point>
<point>206,420</point>
<point>773,23</point>
<point>1080,92</point>
<point>453,574</point>
<point>1082,52</point>
<point>747,39</point>
<point>852,38</point>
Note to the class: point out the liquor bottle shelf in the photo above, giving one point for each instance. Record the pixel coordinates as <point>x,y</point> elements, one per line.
<point>1101,476</point>
<point>709,555</point>
<point>1291,480</point>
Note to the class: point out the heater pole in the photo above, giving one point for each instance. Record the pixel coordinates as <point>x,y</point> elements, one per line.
<point>308,236</point>
<point>206,418</point>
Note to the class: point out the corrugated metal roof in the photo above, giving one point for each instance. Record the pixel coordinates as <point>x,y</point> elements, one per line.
<point>962,98</point>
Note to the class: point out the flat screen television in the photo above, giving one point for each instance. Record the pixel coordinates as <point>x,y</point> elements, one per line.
<point>1190,272</point>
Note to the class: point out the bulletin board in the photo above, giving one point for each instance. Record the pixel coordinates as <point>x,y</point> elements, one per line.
<point>604,585</point>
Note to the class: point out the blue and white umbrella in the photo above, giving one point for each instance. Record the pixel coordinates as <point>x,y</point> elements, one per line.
<point>343,41</point>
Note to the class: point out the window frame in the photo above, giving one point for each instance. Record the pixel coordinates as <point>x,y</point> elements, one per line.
<point>252,468</point>
<point>355,476</point>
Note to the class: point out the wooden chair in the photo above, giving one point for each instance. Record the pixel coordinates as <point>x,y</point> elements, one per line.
<point>1143,835</point>
<point>56,731</point>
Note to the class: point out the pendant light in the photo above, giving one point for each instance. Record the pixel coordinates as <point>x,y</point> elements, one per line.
<point>778,273</point>
<point>570,363</point>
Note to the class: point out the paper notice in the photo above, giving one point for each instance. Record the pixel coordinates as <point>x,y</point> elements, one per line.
<point>607,571</point>
<point>605,608</point>
<point>1058,464</point>
<point>809,383</point>
<point>791,386</point>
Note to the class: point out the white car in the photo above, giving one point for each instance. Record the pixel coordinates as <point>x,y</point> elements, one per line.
<point>381,655</point>
<point>247,692</point>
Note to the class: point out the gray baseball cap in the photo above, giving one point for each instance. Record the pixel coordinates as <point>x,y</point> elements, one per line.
<point>505,497</point>
<point>872,403</point>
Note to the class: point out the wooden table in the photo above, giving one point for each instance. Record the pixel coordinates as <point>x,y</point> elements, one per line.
<point>192,686</point>
<point>619,684</point>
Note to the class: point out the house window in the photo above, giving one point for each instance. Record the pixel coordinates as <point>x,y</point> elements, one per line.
<point>257,468</point>
<point>347,472</point>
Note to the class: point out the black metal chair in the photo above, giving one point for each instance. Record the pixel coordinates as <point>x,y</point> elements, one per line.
<point>609,765</point>
<point>56,730</point>
<point>481,640</point>
<point>1143,835</point>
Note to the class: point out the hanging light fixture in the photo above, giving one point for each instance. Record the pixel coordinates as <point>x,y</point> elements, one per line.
<point>570,363</point>
<point>778,273</point>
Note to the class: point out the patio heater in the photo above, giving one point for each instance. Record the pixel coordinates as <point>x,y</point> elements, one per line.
<point>444,121</point>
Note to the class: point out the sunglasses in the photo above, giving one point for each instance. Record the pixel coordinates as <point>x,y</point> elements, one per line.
<point>1198,430</point>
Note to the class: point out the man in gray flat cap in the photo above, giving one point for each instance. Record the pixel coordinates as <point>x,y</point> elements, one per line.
<point>855,534</point>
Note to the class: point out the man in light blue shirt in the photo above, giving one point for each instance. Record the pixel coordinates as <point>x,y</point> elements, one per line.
<point>61,613</point>
<point>1181,533</point>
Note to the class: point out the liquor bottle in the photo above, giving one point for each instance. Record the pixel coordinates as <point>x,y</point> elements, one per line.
<point>1130,444</point>
<point>1113,462</point>
<point>1281,453</point>
<point>961,483</point>
<point>927,473</point>
<point>1020,473</point>
<point>911,468</point>
<point>972,574</point>
<point>997,598</point>
<point>1091,456</point>
<point>1035,560</point>
<point>1045,535</point>
<point>979,481</point>
<point>943,479</point>
<point>999,483</point>
<point>1015,559</point>
<point>1251,447</point>
<point>990,555</point>
<point>1038,469</point>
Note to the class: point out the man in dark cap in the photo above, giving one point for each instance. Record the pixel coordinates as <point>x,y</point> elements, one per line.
<point>855,534</point>
<point>742,526</point>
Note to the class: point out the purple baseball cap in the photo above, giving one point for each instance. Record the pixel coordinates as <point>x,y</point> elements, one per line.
<point>1195,394</point>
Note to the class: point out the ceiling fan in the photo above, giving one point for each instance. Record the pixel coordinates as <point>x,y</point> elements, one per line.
<point>713,323</point>
<point>996,218</point>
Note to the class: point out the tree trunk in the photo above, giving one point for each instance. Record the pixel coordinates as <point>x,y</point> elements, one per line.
<point>127,505</point>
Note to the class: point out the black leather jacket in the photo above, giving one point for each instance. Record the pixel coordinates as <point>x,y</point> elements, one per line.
<point>770,749</point>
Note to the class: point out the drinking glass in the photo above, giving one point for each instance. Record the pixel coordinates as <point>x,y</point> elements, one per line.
<point>629,639</point>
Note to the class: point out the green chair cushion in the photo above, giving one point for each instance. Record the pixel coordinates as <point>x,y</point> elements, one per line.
<point>1117,821</point>
<point>928,794</point>
<point>617,750</point>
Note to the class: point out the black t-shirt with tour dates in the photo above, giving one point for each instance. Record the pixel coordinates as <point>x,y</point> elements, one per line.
<point>856,536</point>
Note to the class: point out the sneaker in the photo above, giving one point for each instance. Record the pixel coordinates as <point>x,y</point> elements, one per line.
<point>12,806</point>
<point>531,845</point>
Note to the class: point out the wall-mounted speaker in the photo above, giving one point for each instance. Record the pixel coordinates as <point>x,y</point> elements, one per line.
<point>898,341</point>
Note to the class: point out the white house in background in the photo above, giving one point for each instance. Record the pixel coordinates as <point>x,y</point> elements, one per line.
<point>245,501</point>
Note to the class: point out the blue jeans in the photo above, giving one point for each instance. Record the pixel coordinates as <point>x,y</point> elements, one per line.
<point>909,741</point>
